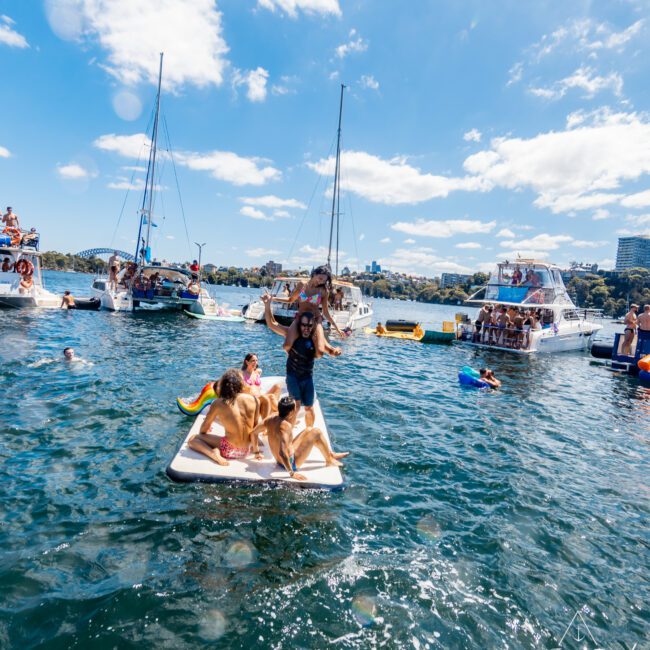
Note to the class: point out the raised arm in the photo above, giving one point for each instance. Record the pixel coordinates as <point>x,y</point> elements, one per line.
<point>326,311</point>
<point>271,323</point>
<point>293,297</point>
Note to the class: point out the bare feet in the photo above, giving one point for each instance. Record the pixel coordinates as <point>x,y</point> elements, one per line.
<point>332,462</point>
<point>340,454</point>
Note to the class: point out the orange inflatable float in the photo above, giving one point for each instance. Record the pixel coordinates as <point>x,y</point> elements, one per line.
<point>644,363</point>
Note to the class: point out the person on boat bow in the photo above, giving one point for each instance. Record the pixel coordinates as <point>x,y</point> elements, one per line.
<point>10,220</point>
<point>630,329</point>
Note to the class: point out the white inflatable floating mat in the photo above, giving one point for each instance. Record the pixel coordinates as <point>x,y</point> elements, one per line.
<point>190,466</point>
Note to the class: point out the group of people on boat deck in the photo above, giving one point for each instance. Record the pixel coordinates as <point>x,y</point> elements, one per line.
<point>507,327</point>
<point>635,325</point>
<point>245,412</point>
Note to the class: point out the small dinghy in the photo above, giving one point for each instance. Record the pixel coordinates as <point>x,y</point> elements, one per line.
<point>87,304</point>
<point>190,466</point>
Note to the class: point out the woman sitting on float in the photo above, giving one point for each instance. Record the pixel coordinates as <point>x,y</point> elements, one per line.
<point>252,375</point>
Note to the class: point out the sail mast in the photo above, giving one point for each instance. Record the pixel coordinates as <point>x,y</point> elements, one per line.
<point>336,191</point>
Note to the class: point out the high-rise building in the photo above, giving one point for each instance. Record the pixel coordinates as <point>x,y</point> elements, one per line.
<point>633,252</point>
<point>273,268</point>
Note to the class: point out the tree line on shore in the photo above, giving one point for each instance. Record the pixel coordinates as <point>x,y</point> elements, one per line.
<point>608,291</point>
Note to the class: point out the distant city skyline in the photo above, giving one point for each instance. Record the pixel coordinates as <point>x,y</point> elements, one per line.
<point>471,132</point>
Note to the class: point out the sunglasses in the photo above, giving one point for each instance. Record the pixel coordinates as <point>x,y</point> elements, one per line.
<point>305,324</point>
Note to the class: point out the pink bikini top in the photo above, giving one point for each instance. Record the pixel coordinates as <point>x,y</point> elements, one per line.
<point>250,382</point>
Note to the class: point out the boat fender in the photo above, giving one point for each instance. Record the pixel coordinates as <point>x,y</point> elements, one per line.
<point>602,350</point>
<point>644,363</point>
<point>205,398</point>
<point>470,377</point>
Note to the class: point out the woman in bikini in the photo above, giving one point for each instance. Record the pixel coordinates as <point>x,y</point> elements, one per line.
<point>252,375</point>
<point>312,296</point>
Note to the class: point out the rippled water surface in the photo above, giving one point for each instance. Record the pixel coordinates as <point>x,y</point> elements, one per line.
<point>470,519</point>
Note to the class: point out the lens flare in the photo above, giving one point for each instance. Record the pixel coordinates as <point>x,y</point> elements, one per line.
<point>213,626</point>
<point>239,554</point>
<point>127,105</point>
<point>429,528</point>
<point>364,609</point>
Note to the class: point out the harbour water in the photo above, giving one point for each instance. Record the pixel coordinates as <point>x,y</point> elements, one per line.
<point>469,520</point>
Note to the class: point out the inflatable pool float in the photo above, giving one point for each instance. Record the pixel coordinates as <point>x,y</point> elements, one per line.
<point>469,377</point>
<point>644,375</point>
<point>405,336</point>
<point>644,363</point>
<point>423,336</point>
<point>190,466</point>
<point>205,398</point>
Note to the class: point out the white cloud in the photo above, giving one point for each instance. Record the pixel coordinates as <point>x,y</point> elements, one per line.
<point>170,237</point>
<point>638,200</point>
<point>261,252</point>
<point>543,242</point>
<point>282,214</point>
<point>286,85</point>
<point>74,171</point>
<point>135,185</point>
<point>4,152</point>
<point>581,243</point>
<point>585,35</point>
<point>368,81</point>
<point>9,36</point>
<point>474,135</point>
<point>421,261</point>
<point>600,214</point>
<point>393,181</point>
<point>134,33</point>
<point>409,241</point>
<point>506,232</point>
<point>271,201</point>
<point>222,165</point>
<point>255,80</point>
<point>515,73</point>
<point>134,168</point>
<point>469,244</point>
<point>229,167</point>
<point>524,253</point>
<point>291,7</point>
<point>639,219</point>
<point>385,240</point>
<point>443,228</point>
<point>569,169</point>
<point>308,254</point>
<point>128,146</point>
<point>254,213</point>
<point>355,44</point>
<point>584,79</point>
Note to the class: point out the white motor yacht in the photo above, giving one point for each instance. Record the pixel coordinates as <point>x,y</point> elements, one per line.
<point>355,313</point>
<point>534,296</point>
<point>21,281</point>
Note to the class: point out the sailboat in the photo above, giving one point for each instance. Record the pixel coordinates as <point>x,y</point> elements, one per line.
<point>350,311</point>
<point>144,283</point>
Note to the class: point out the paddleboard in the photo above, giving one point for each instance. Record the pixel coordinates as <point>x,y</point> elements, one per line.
<point>190,466</point>
<point>229,319</point>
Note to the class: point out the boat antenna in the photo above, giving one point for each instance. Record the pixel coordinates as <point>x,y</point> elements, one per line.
<point>336,192</point>
<point>147,199</point>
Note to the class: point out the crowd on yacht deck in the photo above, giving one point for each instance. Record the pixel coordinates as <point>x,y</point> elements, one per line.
<point>508,327</point>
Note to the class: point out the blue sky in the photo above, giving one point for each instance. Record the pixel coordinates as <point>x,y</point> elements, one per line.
<point>472,131</point>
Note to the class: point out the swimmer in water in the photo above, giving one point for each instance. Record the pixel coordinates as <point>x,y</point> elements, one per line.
<point>488,377</point>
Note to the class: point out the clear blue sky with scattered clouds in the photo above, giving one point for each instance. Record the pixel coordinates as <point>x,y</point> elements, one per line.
<point>472,131</point>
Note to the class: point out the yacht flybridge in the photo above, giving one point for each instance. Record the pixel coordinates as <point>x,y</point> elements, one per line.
<point>21,278</point>
<point>527,309</point>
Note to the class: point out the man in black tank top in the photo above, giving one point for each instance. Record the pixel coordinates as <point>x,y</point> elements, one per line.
<point>300,362</point>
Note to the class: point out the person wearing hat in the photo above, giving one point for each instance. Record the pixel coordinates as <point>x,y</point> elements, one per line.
<point>630,329</point>
<point>10,220</point>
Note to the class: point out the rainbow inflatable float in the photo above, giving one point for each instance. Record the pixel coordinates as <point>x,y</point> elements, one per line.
<point>205,398</point>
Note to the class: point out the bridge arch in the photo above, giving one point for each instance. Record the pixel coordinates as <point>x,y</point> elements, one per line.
<point>95,252</point>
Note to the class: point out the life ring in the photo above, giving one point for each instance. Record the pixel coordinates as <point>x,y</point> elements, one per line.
<point>24,267</point>
<point>644,363</point>
<point>14,233</point>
